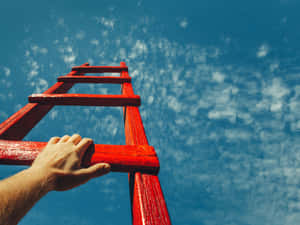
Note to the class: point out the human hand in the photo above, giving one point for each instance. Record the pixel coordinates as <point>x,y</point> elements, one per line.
<point>61,163</point>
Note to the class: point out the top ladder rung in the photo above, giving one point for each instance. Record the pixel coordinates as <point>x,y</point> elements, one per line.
<point>94,79</point>
<point>99,69</point>
<point>85,99</point>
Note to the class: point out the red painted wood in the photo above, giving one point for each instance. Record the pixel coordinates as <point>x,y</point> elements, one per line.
<point>148,204</point>
<point>85,99</point>
<point>20,123</point>
<point>122,158</point>
<point>100,69</point>
<point>94,79</point>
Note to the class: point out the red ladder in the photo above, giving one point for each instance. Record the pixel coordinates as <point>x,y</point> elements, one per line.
<point>136,157</point>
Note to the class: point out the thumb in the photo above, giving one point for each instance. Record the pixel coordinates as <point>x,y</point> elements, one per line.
<point>94,170</point>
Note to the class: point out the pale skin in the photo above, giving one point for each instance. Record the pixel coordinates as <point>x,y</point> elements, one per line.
<point>58,167</point>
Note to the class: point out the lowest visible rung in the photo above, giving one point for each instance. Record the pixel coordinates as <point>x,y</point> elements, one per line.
<point>94,79</point>
<point>99,69</point>
<point>122,158</point>
<point>85,99</point>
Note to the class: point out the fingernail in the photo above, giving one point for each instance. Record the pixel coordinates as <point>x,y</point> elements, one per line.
<point>106,167</point>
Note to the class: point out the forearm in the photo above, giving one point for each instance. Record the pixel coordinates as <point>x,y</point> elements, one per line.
<point>57,167</point>
<point>19,193</point>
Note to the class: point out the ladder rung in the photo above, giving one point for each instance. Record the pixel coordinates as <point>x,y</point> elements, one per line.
<point>100,69</point>
<point>122,158</point>
<point>85,99</point>
<point>94,79</point>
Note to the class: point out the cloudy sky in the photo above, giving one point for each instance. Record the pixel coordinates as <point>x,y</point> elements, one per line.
<point>220,89</point>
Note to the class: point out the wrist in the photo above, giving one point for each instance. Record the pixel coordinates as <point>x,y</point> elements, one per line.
<point>42,178</point>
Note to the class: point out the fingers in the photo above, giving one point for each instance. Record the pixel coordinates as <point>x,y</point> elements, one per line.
<point>75,139</point>
<point>53,140</point>
<point>93,171</point>
<point>83,145</point>
<point>64,139</point>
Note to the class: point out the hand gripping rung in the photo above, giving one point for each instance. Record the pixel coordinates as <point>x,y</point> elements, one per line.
<point>85,99</point>
<point>99,69</point>
<point>94,79</point>
<point>122,158</point>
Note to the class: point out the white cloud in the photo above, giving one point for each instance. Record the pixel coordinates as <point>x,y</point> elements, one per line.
<point>39,84</point>
<point>134,73</point>
<point>94,42</point>
<point>224,113</point>
<point>180,156</point>
<point>252,176</point>
<point>34,67</point>
<point>27,53</point>
<point>263,50</point>
<point>104,33</point>
<point>218,77</point>
<point>108,125</point>
<point>32,73</point>
<point>183,23</point>
<point>36,49</point>
<point>214,53</point>
<point>274,94</point>
<point>17,107</point>
<point>274,66</point>
<point>295,126</point>
<point>43,50</point>
<point>140,48</point>
<point>174,104</point>
<point>276,106</point>
<point>68,54</point>
<point>293,115</point>
<point>123,54</point>
<point>43,84</point>
<point>53,114</point>
<point>237,134</point>
<point>91,61</point>
<point>276,89</point>
<point>7,71</point>
<point>150,99</point>
<point>109,23</point>
<point>61,21</point>
<point>227,40</point>
<point>3,115</point>
<point>80,35</point>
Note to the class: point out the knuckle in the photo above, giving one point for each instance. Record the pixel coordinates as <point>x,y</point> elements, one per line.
<point>85,140</point>
<point>89,140</point>
<point>54,138</point>
<point>65,136</point>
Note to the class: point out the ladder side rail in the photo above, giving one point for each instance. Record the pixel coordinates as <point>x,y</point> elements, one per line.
<point>148,205</point>
<point>17,126</point>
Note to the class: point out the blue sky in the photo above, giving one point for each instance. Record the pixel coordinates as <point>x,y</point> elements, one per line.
<point>219,82</point>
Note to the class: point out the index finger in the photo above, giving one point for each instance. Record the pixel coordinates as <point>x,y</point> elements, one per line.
<point>53,140</point>
<point>83,145</point>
